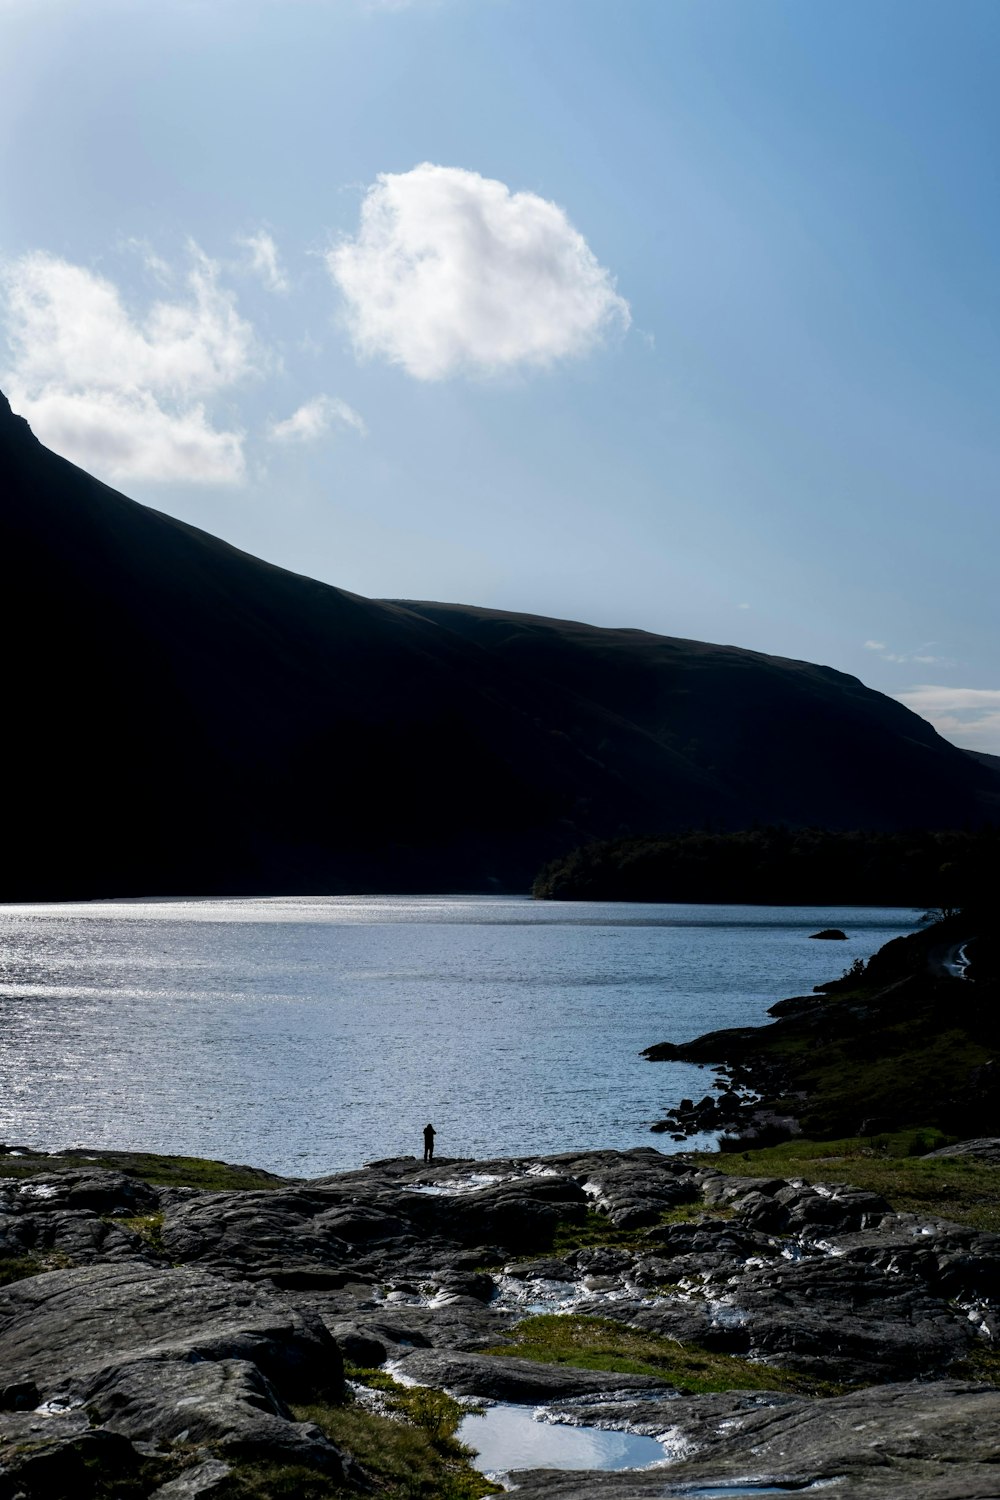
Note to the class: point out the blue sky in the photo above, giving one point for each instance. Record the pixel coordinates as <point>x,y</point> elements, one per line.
<point>679,314</point>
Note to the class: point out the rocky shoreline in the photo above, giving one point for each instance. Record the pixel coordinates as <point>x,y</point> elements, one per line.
<point>163,1340</point>
<point>907,1040</point>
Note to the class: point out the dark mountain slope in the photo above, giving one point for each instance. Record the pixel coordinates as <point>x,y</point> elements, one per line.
<point>184,717</point>
<point>793,742</point>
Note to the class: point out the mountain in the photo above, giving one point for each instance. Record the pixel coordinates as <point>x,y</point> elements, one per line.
<point>184,718</point>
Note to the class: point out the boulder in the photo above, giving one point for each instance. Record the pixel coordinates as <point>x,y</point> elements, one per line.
<point>225,1403</point>
<point>63,1329</point>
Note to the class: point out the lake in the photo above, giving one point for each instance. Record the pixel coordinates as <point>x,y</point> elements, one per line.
<point>308,1035</point>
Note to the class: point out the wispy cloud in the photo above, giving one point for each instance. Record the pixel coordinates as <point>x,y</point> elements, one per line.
<point>451,272</point>
<point>120,393</point>
<point>969,716</point>
<point>919,655</point>
<point>314,418</point>
<point>264,260</point>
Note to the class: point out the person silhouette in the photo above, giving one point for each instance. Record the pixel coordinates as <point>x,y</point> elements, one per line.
<point>429,1133</point>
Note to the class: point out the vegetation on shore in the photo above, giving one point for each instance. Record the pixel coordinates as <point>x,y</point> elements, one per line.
<point>408,1445</point>
<point>897,1043</point>
<point>780,867</point>
<point>604,1344</point>
<point>959,1188</point>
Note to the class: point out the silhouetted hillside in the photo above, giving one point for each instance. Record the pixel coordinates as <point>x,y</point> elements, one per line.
<point>185,718</point>
<point>781,867</point>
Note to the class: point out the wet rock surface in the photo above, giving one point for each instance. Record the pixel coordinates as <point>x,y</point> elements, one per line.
<point>175,1317</point>
<point>911,1442</point>
<point>497,1378</point>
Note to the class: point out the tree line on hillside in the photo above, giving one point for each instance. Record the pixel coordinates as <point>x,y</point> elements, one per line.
<point>781,867</point>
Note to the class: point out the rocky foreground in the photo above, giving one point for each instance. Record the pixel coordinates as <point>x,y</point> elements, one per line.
<point>159,1336</point>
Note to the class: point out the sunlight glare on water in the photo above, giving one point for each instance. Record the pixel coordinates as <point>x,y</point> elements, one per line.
<point>310,1035</point>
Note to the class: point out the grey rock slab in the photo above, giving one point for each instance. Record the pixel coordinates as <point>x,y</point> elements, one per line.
<point>95,1188</point>
<point>824,1208</point>
<point>69,1326</point>
<point>224,1403</point>
<point>899,1442</point>
<point>203,1479</point>
<point>685,1422</point>
<point>636,1193</point>
<point>362,1347</point>
<point>468,1326</point>
<point>255,1233</point>
<point>499,1378</point>
<point>985,1148</point>
<point>831,1319</point>
<point>951,1260</point>
<point>362,1221</point>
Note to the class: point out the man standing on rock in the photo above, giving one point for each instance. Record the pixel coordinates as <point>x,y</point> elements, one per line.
<point>429,1134</point>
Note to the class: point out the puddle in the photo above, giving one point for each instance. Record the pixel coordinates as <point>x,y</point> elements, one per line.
<point>509,1437</point>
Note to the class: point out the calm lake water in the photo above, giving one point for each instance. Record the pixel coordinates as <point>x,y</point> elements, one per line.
<point>311,1035</point>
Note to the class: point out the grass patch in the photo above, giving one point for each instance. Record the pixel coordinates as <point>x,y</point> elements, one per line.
<point>410,1448</point>
<point>279,1482</point>
<point>20,1267</point>
<point>161,1171</point>
<point>603,1344</point>
<point>148,1227</point>
<point>981,1364</point>
<point>950,1187</point>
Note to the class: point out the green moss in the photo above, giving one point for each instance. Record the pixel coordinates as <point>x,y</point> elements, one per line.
<point>263,1481</point>
<point>410,1448</point>
<point>901,1067</point>
<point>148,1227</point>
<point>603,1344</point>
<point>982,1365</point>
<point>19,1267</point>
<point>949,1187</point>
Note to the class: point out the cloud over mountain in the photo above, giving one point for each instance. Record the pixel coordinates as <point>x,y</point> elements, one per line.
<point>962,713</point>
<point>121,393</point>
<point>450,272</point>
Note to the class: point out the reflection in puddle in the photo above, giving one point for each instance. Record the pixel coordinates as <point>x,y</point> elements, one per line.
<point>509,1437</point>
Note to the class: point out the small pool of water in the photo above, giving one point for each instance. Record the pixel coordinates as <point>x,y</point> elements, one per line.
<point>508,1437</point>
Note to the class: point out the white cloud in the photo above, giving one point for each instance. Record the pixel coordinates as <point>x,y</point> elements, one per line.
<point>451,272</point>
<point>918,655</point>
<point>969,716</point>
<point>120,394</point>
<point>314,418</point>
<point>264,260</point>
<point>128,436</point>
